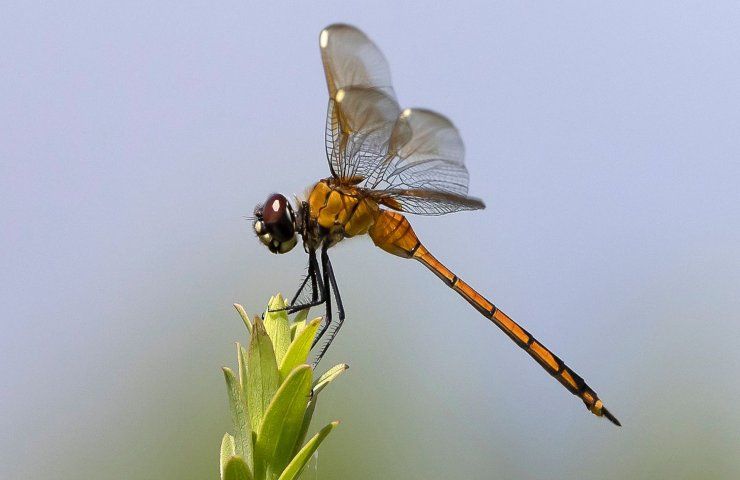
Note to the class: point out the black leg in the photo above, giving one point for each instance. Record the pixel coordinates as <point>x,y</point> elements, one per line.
<point>327,296</point>
<point>314,274</point>
<point>335,289</point>
<point>314,286</point>
<point>303,285</point>
<point>318,295</point>
<point>329,272</point>
<point>323,284</point>
<point>312,267</point>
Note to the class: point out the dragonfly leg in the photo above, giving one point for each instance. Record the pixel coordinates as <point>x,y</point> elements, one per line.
<point>312,273</point>
<point>303,285</point>
<point>316,281</point>
<point>335,289</point>
<point>314,286</point>
<point>329,272</point>
<point>327,295</point>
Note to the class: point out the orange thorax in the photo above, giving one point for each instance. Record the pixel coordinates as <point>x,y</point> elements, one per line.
<point>342,206</point>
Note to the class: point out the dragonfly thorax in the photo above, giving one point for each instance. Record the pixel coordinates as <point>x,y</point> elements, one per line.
<point>275,224</point>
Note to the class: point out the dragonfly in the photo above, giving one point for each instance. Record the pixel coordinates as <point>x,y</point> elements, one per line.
<point>385,162</point>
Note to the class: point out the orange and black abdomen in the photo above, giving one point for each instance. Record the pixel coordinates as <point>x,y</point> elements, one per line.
<point>334,207</point>
<point>393,233</point>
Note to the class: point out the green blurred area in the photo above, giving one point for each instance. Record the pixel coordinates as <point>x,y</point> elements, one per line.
<point>414,404</point>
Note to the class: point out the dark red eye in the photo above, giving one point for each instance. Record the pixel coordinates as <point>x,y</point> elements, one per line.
<point>278,218</point>
<point>274,208</point>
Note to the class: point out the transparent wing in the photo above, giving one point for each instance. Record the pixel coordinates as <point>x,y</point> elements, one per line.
<point>352,61</point>
<point>424,171</point>
<point>362,133</point>
<point>413,160</point>
<point>431,156</point>
<point>424,202</point>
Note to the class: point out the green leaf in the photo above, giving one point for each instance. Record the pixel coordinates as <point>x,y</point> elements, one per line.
<point>301,316</point>
<point>328,377</point>
<point>295,467</point>
<point>318,386</point>
<point>227,451</point>
<point>299,348</point>
<point>282,422</point>
<point>241,354</point>
<point>276,324</point>
<point>306,423</point>
<point>239,416</point>
<point>263,377</point>
<point>293,330</point>
<point>299,323</point>
<point>241,358</point>
<point>236,469</point>
<point>245,317</point>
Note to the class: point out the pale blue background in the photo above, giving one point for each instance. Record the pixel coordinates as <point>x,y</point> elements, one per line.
<point>603,136</point>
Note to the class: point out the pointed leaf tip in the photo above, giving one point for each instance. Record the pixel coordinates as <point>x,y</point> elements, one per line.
<point>245,316</point>
<point>277,326</point>
<point>328,377</point>
<point>299,461</point>
<point>241,360</point>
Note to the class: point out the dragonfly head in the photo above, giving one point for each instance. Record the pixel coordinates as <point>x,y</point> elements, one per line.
<point>275,224</point>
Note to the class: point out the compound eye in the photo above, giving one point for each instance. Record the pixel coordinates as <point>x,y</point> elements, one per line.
<point>274,207</point>
<point>278,218</point>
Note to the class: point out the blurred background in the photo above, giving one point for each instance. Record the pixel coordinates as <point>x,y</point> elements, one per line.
<point>136,138</point>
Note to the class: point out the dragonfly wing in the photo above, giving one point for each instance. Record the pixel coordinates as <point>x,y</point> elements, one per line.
<point>425,202</point>
<point>361,131</point>
<point>351,59</point>
<point>410,160</point>
<point>353,62</point>
<point>424,172</point>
